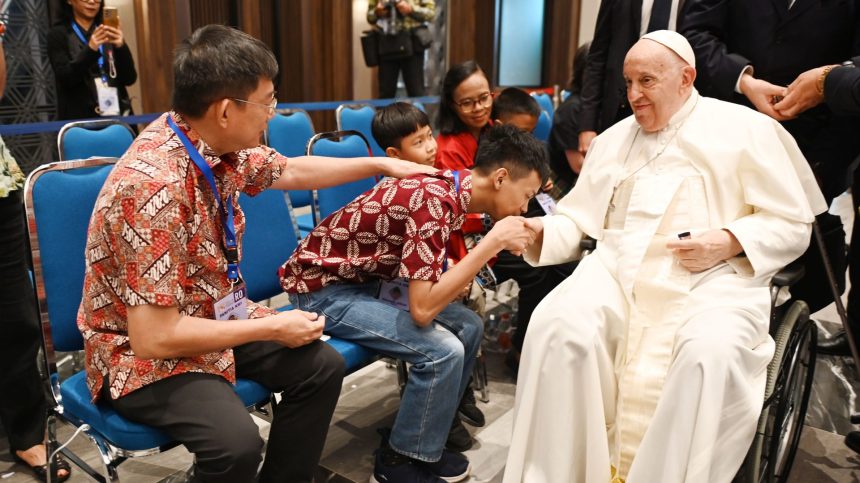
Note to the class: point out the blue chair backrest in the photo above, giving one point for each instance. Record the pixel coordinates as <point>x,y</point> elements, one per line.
<point>62,204</point>
<point>288,133</point>
<point>545,102</point>
<point>268,242</point>
<point>564,94</point>
<point>358,118</point>
<point>81,142</point>
<point>334,198</point>
<point>543,127</point>
<point>420,105</point>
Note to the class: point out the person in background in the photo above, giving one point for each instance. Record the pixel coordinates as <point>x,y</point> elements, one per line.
<point>22,396</point>
<point>516,107</point>
<point>87,85</point>
<point>565,158</point>
<point>464,114</point>
<point>411,16</point>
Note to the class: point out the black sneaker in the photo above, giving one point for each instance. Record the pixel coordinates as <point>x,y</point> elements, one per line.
<point>468,410</point>
<point>392,467</point>
<point>459,438</point>
<point>452,467</point>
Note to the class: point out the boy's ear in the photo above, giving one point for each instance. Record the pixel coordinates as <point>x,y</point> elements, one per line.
<point>392,152</point>
<point>499,175</point>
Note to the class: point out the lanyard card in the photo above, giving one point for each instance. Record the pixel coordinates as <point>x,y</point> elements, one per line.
<point>108,98</point>
<point>395,293</point>
<point>546,202</point>
<point>234,305</point>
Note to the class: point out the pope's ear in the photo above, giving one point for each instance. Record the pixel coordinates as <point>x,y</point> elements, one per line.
<point>688,75</point>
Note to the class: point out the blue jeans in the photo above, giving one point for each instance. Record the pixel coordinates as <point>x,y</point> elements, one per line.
<point>441,357</point>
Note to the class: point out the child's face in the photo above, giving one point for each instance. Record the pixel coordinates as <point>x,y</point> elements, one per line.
<point>523,121</point>
<point>418,147</point>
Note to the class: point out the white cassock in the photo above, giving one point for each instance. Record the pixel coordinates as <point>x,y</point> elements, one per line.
<point>634,368</point>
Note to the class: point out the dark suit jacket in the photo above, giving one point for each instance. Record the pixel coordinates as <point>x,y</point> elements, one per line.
<point>603,89</point>
<point>842,89</point>
<point>780,44</point>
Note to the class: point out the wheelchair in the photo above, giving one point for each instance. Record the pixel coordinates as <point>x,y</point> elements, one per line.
<point>789,383</point>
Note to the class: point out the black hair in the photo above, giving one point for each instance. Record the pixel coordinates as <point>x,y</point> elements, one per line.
<point>514,100</point>
<point>217,62</point>
<point>578,68</point>
<point>449,121</point>
<point>67,15</point>
<point>505,146</point>
<point>395,121</point>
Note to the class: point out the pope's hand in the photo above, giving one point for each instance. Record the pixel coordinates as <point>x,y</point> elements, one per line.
<point>512,234</point>
<point>705,250</point>
<point>397,168</point>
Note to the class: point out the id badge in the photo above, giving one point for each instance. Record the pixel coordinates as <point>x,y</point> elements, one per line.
<point>546,202</point>
<point>108,98</point>
<point>233,306</point>
<point>395,293</point>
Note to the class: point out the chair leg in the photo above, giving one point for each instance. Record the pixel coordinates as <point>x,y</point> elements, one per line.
<point>479,375</point>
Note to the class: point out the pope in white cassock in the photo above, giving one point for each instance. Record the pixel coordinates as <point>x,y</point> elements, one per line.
<point>648,364</point>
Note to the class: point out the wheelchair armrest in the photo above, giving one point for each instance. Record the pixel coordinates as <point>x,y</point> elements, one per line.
<point>588,244</point>
<point>789,275</point>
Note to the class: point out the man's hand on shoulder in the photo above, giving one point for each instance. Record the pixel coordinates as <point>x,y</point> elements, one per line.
<point>397,168</point>
<point>295,328</point>
<point>762,94</point>
<point>511,233</point>
<point>706,250</point>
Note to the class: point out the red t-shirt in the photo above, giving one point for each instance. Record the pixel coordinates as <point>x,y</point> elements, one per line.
<point>397,229</point>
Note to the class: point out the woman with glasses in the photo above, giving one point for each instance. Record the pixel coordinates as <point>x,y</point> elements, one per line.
<point>92,62</point>
<point>464,114</point>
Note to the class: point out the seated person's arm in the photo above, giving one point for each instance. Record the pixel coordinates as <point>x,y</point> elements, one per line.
<point>427,298</point>
<point>312,172</point>
<point>157,332</point>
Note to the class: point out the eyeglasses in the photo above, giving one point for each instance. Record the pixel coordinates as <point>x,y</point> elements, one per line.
<point>270,107</point>
<point>469,105</point>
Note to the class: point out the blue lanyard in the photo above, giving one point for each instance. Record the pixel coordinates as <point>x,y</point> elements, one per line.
<point>84,41</point>
<point>231,253</point>
<point>457,188</point>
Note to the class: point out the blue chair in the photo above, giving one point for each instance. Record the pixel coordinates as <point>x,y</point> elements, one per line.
<point>544,126</point>
<point>339,144</point>
<point>268,243</point>
<point>358,117</point>
<point>101,138</point>
<point>419,105</point>
<point>545,102</point>
<point>288,133</point>
<point>57,231</point>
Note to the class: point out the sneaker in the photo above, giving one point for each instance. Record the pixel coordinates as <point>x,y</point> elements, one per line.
<point>392,467</point>
<point>468,410</point>
<point>452,467</point>
<point>459,438</point>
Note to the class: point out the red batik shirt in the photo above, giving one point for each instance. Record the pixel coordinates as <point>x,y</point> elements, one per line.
<point>397,229</point>
<point>155,238</point>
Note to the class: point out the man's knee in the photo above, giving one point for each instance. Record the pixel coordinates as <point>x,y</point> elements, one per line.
<point>234,455</point>
<point>331,365</point>
<point>553,329</point>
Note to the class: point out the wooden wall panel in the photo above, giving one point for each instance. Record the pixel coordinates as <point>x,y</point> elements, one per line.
<point>472,28</point>
<point>561,39</point>
<point>160,26</point>
<point>205,12</point>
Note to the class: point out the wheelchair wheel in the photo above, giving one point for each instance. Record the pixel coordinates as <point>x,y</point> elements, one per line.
<point>789,383</point>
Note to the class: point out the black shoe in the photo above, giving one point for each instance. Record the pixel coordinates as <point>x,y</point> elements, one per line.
<point>392,467</point>
<point>459,439</point>
<point>468,410</point>
<point>853,441</point>
<point>835,345</point>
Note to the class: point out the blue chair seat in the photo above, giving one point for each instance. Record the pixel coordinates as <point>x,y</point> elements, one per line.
<point>355,355</point>
<point>306,222</point>
<point>120,431</point>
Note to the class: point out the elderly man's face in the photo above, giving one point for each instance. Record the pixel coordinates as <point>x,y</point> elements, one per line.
<point>658,83</point>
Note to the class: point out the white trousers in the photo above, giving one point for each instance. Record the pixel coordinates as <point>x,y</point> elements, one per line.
<point>567,385</point>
